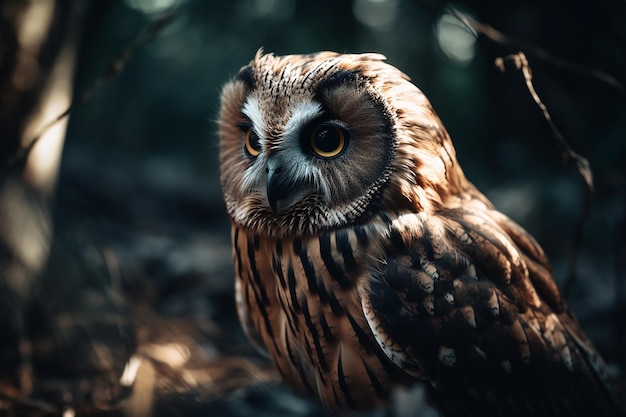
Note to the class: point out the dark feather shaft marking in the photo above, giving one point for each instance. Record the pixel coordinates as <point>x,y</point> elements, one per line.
<point>342,241</point>
<point>334,270</point>
<point>343,385</point>
<point>278,270</point>
<point>321,357</point>
<point>291,282</point>
<point>260,288</point>
<point>309,271</point>
<point>296,362</point>
<point>378,387</point>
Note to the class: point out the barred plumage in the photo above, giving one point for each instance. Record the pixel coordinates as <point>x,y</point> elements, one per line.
<point>366,261</point>
<point>305,313</point>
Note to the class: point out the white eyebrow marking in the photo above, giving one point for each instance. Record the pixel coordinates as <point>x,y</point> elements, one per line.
<point>302,114</point>
<point>253,112</point>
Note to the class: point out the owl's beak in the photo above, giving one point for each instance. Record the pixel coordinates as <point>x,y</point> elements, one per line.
<point>283,189</point>
<point>277,187</point>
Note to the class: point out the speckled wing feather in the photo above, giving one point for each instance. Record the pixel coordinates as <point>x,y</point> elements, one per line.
<point>465,299</point>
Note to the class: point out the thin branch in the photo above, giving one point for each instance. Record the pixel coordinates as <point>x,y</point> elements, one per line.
<point>503,39</point>
<point>568,154</point>
<point>112,71</point>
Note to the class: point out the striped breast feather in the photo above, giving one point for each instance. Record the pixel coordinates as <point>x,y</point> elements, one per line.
<point>454,304</point>
<point>245,295</point>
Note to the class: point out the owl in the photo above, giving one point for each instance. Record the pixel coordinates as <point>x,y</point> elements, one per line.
<point>366,261</point>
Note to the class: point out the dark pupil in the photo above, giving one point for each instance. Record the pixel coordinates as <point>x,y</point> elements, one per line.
<point>327,140</point>
<point>254,141</point>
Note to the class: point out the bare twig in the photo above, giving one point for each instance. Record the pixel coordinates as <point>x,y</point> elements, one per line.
<point>113,70</point>
<point>568,154</point>
<point>491,33</point>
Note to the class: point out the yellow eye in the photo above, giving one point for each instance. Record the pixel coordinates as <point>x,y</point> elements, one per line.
<point>253,148</point>
<point>328,141</point>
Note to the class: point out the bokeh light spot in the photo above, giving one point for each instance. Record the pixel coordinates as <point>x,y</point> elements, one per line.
<point>152,6</point>
<point>377,14</point>
<point>267,9</point>
<point>455,40</point>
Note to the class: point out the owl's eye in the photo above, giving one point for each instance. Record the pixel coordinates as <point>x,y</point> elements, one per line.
<point>253,147</point>
<point>328,140</point>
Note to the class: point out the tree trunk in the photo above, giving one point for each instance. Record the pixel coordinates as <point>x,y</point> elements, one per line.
<point>37,56</point>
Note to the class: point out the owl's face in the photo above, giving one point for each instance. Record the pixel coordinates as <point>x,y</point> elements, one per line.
<point>311,142</point>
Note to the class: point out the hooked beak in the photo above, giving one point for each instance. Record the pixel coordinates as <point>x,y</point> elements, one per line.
<point>278,187</point>
<point>283,190</point>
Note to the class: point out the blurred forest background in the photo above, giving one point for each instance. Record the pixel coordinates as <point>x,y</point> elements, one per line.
<point>116,287</point>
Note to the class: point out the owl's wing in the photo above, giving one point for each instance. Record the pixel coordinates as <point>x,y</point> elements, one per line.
<point>466,301</point>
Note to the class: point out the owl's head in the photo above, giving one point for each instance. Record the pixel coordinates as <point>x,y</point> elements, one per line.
<point>312,142</point>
